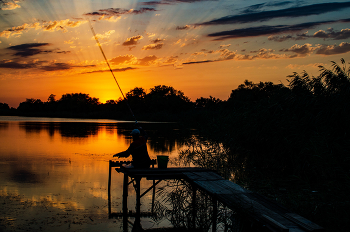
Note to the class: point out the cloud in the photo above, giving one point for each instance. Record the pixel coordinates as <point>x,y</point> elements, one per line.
<point>114,70</point>
<point>61,25</point>
<point>56,67</point>
<point>315,9</point>
<point>154,3</point>
<point>126,59</point>
<point>105,35</point>
<point>344,47</point>
<point>171,60</point>
<point>200,62</point>
<point>264,53</point>
<point>264,30</point>
<point>183,28</point>
<point>331,34</point>
<point>148,60</point>
<point>50,26</point>
<point>110,18</point>
<point>300,50</point>
<point>110,12</point>
<point>17,65</point>
<point>42,65</point>
<point>153,46</point>
<point>170,2</point>
<point>15,31</point>
<point>283,38</point>
<point>157,40</point>
<point>9,5</point>
<point>132,40</point>
<point>225,46</point>
<point>29,49</point>
<point>258,7</point>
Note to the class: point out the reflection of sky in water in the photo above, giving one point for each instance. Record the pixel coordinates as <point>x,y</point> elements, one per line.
<point>64,165</point>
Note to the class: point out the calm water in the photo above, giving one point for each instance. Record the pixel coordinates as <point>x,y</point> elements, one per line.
<point>54,172</point>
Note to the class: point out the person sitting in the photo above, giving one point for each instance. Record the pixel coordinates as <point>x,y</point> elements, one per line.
<point>138,150</point>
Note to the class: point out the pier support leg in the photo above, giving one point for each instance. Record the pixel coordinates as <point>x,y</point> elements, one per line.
<point>194,213</point>
<point>138,197</point>
<point>215,214</point>
<point>109,189</point>
<point>125,194</point>
<point>153,196</point>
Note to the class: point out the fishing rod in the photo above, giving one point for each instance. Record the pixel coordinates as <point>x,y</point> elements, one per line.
<point>110,69</point>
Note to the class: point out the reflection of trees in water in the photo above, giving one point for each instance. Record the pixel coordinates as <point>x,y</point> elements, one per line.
<point>66,129</point>
<point>4,125</point>
<point>176,205</point>
<point>163,137</point>
<point>210,154</point>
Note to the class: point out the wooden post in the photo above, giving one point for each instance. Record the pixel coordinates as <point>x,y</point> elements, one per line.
<point>153,196</point>
<point>138,197</point>
<point>194,213</point>
<point>215,213</point>
<point>125,193</point>
<point>109,189</point>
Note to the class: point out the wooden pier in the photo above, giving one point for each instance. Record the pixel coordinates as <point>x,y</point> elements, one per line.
<point>264,213</point>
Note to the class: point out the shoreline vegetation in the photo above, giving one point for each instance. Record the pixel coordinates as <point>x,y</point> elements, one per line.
<point>290,143</point>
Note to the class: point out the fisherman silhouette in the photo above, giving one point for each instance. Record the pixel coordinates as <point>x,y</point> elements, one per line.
<point>138,150</point>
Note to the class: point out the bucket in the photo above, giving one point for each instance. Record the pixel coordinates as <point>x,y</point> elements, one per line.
<point>162,161</point>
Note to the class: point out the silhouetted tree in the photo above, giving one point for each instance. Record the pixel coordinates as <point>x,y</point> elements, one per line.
<point>4,106</point>
<point>208,103</point>
<point>31,105</point>
<point>77,102</point>
<point>167,98</point>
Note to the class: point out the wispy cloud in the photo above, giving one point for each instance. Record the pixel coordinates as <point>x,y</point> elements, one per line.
<point>104,36</point>
<point>260,6</point>
<point>110,13</point>
<point>148,60</point>
<point>266,30</point>
<point>333,49</point>
<point>300,50</point>
<point>315,9</point>
<point>329,34</point>
<point>42,65</point>
<point>50,26</point>
<point>171,2</point>
<point>183,28</point>
<point>30,49</point>
<point>126,59</point>
<point>157,40</point>
<point>132,40</point>
<point>9,5</point>
<point>114,70</point>
<point>153,46</point>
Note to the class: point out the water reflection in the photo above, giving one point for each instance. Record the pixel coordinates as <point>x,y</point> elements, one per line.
<point>59,169</point>
<point>186,209</point>
<point>164,137</point>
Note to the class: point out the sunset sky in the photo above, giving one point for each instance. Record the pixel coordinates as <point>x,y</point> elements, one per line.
<point>201,47</point>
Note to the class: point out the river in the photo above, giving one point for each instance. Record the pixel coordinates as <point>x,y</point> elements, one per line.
<point>54,172</point>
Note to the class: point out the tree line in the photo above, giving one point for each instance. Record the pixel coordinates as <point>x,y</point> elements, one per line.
<point>160,99</point>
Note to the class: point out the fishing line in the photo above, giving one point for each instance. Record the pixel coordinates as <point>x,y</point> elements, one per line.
<point>110,69</point>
